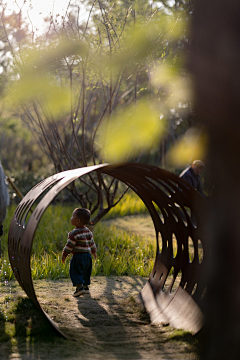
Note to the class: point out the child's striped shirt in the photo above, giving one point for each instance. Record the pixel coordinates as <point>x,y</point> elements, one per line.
<point>79,240</point>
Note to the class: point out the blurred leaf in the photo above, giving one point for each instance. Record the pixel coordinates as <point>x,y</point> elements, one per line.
<point>51,56</point>
<point>39,80</point>
<point>132,129</point>
<point>32,87</point>
<point>191,146</point>
<point>136,45</point>
<point>141,40</point>
<point>176,88</point>
<point>180,91</point>
<point>162,75</point>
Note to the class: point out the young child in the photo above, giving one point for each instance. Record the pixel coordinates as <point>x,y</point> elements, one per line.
<point>81,244</point>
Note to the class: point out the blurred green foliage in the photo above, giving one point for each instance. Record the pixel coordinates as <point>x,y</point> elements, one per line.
<point>130,130</point>
<point>125,50</point>
<point>19,150</point>
<point>111,88</point>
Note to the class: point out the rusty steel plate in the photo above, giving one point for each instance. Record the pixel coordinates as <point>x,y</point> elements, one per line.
<point>176,210</point>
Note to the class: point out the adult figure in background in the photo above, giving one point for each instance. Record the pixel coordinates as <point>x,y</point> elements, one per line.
<point>192,175</point>
<point>4,199</point>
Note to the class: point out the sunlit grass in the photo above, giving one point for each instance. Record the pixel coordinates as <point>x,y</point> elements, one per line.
<point>131,204</point>
<point>120,253</point>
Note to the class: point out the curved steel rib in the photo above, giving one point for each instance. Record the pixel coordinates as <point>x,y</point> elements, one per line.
<point>170,202</point>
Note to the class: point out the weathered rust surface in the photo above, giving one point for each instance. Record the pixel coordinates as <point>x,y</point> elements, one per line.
<point>177,220</point>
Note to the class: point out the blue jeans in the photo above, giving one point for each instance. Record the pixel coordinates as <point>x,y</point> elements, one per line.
<point>80,268</point>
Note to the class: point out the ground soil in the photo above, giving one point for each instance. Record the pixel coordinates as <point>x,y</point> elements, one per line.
<point>106,324</point>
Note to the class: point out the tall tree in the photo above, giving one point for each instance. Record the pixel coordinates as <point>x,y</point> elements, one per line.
<point>214,62</point>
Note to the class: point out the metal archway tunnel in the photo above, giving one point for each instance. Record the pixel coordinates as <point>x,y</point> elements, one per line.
<point>171,204</point>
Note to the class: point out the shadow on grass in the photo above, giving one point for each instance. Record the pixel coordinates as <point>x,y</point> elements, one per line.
<point>30,323</point>
<point>24,329</point>
<point>4,337</point>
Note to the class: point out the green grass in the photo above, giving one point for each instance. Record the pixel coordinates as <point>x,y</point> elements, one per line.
<point>131,204</point>
<point>189,341</point>
<point>119,252</point>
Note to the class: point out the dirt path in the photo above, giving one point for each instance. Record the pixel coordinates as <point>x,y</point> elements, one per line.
<point>107,324</point>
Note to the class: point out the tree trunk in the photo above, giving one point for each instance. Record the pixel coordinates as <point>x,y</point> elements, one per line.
<point>214,63</point>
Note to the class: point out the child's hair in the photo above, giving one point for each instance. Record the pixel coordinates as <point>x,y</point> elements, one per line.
<point>83,214</point>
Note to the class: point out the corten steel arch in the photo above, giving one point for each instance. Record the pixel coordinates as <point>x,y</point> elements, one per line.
<point>170,202</point>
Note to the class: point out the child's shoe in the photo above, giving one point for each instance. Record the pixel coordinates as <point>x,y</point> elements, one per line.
<point>78,292</point>
<point>86,288</point>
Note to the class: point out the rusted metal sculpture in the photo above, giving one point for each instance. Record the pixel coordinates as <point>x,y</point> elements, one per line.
<point>170,202</point>
<point>4,201</point>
